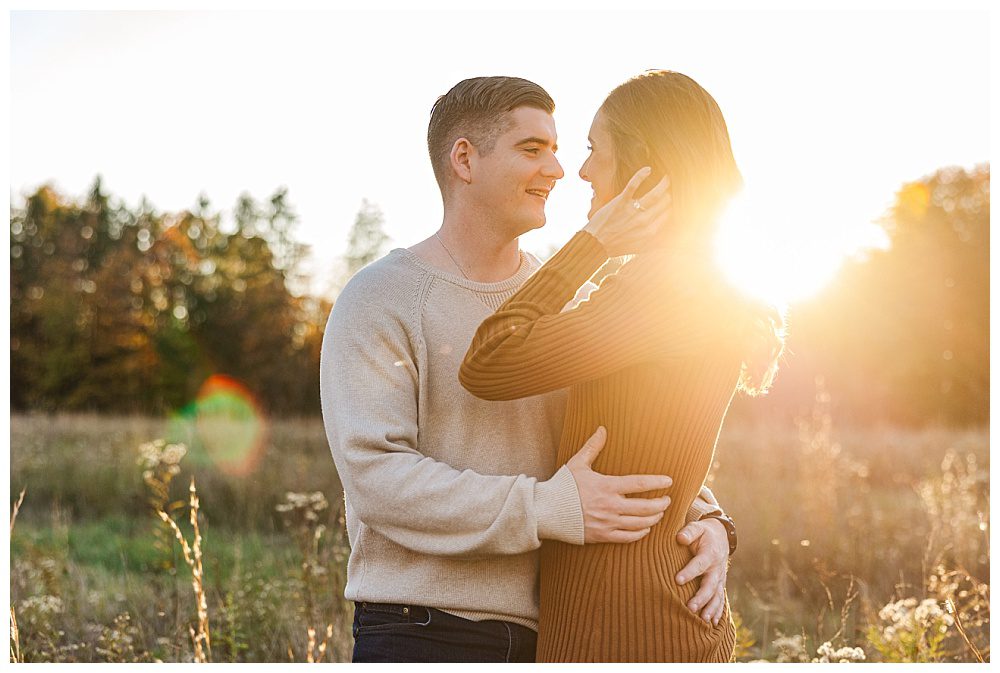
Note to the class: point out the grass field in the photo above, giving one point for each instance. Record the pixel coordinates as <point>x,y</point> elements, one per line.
<point>856,537</point>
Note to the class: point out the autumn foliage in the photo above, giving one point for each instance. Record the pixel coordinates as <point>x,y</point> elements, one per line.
<point>131,310</point>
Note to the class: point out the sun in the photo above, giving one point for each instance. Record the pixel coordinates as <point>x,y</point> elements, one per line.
<point>784,253</point>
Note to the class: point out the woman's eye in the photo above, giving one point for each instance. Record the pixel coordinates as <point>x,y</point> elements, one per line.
<point>590,148</point>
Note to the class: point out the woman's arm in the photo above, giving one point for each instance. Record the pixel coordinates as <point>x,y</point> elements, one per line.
<point>528,347</point>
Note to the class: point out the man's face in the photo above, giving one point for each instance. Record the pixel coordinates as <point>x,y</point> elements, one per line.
<point>514,180</point>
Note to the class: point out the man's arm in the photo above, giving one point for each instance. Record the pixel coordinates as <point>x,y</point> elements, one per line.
<point>369,388</point>
<point>704,505</point>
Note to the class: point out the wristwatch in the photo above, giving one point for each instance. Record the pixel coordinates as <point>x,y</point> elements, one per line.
<point>730,527</point>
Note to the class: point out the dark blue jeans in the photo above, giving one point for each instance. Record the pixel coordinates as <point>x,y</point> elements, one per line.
<point>388,632</point>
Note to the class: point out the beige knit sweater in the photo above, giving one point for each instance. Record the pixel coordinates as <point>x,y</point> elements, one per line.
<point>434,515</point>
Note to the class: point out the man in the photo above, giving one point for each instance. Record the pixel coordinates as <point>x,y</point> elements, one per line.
<point>444,537</point>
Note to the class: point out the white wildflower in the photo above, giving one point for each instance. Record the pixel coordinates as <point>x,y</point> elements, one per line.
<point>42,605</point>
<point>844,655</point>
<point>790,649</point>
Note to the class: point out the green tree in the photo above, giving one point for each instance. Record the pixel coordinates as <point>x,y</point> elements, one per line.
<point>367,239</point>
<point>118,310</point>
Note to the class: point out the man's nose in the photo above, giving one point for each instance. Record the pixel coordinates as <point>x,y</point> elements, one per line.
<point>554,169</point>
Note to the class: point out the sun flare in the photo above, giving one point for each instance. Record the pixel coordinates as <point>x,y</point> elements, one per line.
<point>783,257</point>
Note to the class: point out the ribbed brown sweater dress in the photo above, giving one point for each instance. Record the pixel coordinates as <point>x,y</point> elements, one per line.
<point>653,356</point>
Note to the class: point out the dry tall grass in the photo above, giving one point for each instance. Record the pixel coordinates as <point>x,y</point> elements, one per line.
<point>15,636</point>
<point>851,539</point>
<point>192,556</point>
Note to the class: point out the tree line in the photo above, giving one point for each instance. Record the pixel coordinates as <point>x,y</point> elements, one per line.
<point>902,335</point>
<point>130,310</point>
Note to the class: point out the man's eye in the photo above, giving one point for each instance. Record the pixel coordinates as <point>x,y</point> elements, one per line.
<point>531,150</point>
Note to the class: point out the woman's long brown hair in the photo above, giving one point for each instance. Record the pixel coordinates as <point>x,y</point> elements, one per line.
<point>667,121</point>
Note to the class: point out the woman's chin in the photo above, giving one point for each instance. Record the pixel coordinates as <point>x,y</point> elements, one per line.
<point>596,205</point>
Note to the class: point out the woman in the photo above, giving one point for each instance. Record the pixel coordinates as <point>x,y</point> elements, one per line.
<point>655,356</point>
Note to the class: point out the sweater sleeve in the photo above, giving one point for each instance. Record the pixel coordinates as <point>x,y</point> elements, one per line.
<point>369,389</point>
<point>528,347</point>
<point>703,505</point>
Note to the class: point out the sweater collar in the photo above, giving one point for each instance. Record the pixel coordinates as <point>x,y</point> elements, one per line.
<point>529,264</point>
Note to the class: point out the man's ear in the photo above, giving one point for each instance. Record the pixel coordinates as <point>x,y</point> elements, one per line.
<point>461,159</point>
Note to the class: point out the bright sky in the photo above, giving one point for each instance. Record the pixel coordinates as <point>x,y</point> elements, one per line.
<point>829,112</point>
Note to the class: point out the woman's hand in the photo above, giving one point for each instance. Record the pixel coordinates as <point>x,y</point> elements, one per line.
<point>625,224</point>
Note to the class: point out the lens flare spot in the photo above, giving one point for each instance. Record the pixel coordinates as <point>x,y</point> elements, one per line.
<point>915,198</point>
<point>227,423</point>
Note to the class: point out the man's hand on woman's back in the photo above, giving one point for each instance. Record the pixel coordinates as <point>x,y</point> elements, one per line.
<point>608,515</point>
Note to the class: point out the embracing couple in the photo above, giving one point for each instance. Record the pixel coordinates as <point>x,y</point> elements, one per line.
<point>523,460</point>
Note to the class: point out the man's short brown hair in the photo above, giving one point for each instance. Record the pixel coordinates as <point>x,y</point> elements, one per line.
<point>477,109</point>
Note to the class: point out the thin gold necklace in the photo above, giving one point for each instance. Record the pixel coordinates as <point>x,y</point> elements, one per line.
<point>453,260</point>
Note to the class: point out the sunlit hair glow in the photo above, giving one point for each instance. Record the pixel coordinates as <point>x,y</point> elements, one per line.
<point>476,109</point>
<point>667,121</point>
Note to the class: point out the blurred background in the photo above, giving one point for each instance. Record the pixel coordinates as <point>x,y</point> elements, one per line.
<point>157,337</point>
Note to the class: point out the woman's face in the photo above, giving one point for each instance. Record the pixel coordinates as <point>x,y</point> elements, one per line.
<point>599,168</point>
